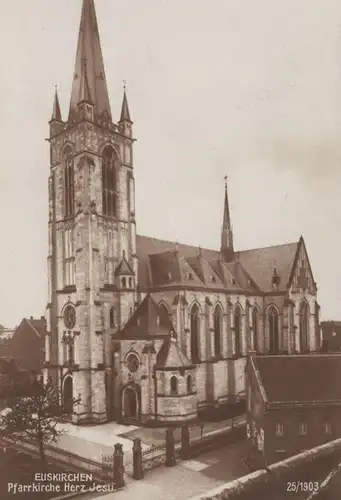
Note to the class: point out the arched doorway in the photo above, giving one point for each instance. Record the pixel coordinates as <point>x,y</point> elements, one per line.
<point>304,327</point>
<point>130,406</point>
<point>68,395</point>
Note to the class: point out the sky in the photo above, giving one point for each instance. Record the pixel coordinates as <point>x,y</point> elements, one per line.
<point>244,88</point>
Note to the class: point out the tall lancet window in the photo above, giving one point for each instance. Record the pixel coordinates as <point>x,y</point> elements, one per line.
<point>304,327</point>
<point>195,333</point>
<point>255,340</point>
<point>69,190</point>
<point>217,331</point>
<point>109,182</point>
<point>164,316</point>
<point>238,331</point>
<point>69,258</point>
<point>273,321</point>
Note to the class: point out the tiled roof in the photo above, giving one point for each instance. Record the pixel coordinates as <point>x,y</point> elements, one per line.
<point>145,323</point>
<point>171,356</point>
<point>163,263</point>
<point>38,325</point>
<point>300,378</point>
<point>259,263</point>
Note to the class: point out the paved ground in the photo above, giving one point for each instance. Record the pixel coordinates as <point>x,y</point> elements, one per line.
<point>96,442</point>
<point>187,478</point>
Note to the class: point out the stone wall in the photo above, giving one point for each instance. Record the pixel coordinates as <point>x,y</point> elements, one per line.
<point>258,483</point>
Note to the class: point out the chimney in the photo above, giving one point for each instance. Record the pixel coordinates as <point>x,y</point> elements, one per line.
<point>31,317</point>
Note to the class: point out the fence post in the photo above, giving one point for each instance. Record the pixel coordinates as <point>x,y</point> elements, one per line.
<point>184,441</point>
<point>137,459</point>
<point>118,466</point>
<point>170,447</point>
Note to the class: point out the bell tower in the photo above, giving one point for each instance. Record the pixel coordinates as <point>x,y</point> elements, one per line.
<point>91,232</point>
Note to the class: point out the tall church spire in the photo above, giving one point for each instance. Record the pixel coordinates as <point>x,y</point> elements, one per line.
<point>226,232</point>
<point>89,76</point>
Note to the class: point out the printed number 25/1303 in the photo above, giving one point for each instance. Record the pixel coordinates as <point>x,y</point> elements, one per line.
<point>296,486</point>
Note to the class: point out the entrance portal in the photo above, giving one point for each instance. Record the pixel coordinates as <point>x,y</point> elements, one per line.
<point>68,395</point>
<point>130,403</point>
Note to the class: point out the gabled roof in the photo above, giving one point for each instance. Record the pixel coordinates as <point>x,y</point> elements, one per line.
<point>145,323</point>
<point>301,245</point>
<point>171,356</point>
<point>89,80</point>
<point>161,263</point>
<point>37,326</point>
<point>206,273</point>
<point>124,268</point>
<point>310,378</point>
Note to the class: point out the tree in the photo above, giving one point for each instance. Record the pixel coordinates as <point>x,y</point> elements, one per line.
<point>34,416</point>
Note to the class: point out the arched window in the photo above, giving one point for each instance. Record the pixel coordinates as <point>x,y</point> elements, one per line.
<point>304,327</point>
<point>255,343</point>
<point>189,384</point>
<point>112,318</point>
<point>174,384</point>
<point>164,316</point>
<point>217,331</point>
<point>130,282</point>
<point>109,182</point>
<point>273,321</point>
<point>195,332</point>
<point>238,331</point>
<point>69,190</point>
<point>124,283</point>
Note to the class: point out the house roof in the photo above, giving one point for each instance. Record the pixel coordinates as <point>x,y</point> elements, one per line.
<point>145,323</point>
<point>171,356</point>
<point>38,326</point>
<point>300,378</point>
<point>165,263</point>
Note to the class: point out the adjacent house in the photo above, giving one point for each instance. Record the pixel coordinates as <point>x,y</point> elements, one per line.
<point>331,336</point>
<point>293,404</point>
<point>27,346</point>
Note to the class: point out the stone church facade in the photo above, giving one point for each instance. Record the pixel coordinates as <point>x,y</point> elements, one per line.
<point>146,330</point>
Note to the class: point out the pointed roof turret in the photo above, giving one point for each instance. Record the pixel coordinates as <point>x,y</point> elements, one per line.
<point>226,232</point>
<point>89,79</point>
<point>125,115</point>
<point>56,114</point>
<point>124,268</point>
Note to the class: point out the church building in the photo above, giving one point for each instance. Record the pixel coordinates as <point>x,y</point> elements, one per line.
<point>146,330</point>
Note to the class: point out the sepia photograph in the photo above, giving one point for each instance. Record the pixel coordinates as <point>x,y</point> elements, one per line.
<point>170,299</point>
